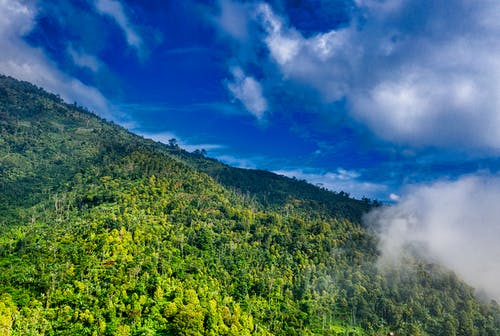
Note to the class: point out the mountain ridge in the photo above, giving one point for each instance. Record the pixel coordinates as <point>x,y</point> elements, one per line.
<point>269,188</point>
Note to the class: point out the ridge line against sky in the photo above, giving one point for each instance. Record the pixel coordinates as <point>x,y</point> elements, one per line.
<point>393,92</point>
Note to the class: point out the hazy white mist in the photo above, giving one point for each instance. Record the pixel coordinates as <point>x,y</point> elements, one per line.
<point>455,223</point>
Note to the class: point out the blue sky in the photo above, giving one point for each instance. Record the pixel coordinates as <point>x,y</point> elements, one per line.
<point>365,96</point>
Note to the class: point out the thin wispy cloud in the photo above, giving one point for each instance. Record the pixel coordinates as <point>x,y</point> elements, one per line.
<point>233,19</point>
<point>222,107</point>
<point>339,180</point>
<point>239,162</point>
<point>115,10</point>
<point>186,144</point>
<point>18,59</point>
<point>84,60</point>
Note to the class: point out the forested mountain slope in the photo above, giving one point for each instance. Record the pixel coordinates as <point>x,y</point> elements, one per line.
<point>274,191</point>
<point>47,142</point>
<point>105,233</point>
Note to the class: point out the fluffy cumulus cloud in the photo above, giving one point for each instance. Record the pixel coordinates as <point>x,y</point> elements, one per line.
<point>248,91</point>
<point>420,74</point>
<point>18,59</point>
<point>307,60</point>
<point>339,180</point>
<point>454,223</point>
<point>435,79</point>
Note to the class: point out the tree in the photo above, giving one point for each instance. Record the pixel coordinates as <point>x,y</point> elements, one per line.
<point>173,143</point>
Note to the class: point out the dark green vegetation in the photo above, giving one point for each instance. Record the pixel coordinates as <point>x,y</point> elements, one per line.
<point>105,233</point>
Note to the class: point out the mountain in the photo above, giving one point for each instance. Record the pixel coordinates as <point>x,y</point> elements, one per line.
<point>106,233</point>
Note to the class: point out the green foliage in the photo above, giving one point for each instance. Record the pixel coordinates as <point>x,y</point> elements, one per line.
<point>105,233</point>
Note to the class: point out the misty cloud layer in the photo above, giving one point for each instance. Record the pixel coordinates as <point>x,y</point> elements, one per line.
<point>454,223</point>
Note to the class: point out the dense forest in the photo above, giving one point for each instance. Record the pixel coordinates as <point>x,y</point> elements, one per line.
<point>103,232</point>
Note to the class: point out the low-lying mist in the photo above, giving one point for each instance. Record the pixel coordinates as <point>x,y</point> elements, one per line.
<point>453,223</point>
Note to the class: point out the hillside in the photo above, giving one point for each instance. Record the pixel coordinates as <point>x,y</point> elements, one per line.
<point>106,233</point>
<point>43,149</point>
<point>274,191</point>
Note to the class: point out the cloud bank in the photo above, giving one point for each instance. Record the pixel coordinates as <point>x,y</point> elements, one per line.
<point>417,74</point>
<point>455,223</point>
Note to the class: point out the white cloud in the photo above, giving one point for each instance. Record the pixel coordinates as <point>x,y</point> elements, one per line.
<point>84,60</point>
<point>394,197</point>
<point>233,19</point>
<point>114,9</point>
<point>248,91</point>
<point>308,60</point>
<point>187,145</point>
<point>283,44</point>
<point>340,180</point>
<point>417,74</point>
<point>454,223</point>
<point>20,60</point>
<point>246,163</point>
